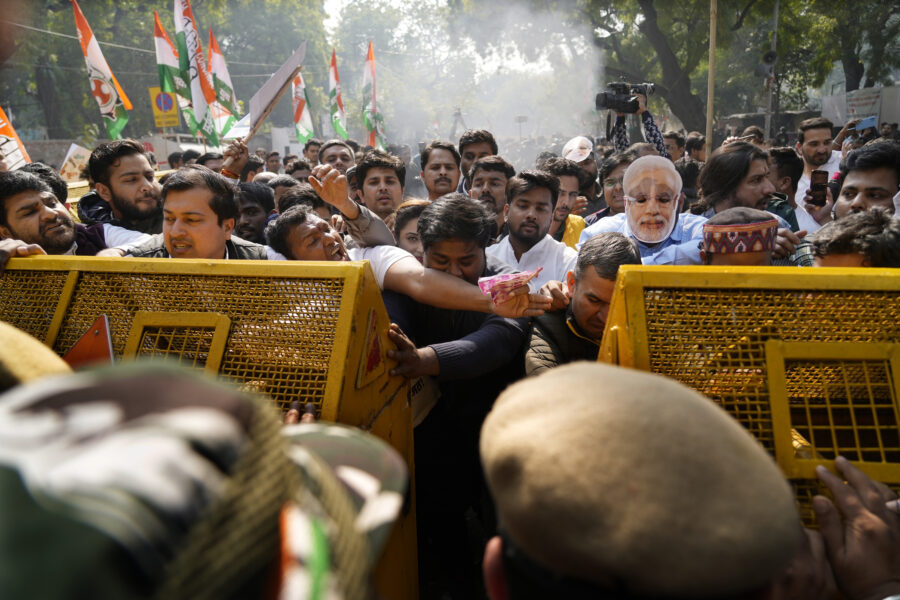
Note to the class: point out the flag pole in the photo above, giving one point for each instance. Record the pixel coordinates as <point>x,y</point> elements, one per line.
<point>711,79</point>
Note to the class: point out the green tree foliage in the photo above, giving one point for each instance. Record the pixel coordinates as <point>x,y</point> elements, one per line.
<point>45,82</point>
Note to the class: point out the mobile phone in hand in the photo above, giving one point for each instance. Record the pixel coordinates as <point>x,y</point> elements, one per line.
<point>818,186</point>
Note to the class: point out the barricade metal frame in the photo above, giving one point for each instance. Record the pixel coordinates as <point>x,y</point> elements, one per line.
<point>246,311</point>
<point>808,360</point>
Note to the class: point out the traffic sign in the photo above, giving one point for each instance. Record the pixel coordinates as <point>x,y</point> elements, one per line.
<point>165,109</point>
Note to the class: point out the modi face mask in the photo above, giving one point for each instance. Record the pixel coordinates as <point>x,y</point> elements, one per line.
<point>652,189</point>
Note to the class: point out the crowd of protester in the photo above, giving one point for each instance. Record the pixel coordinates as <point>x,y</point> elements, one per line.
<point>574,521</point>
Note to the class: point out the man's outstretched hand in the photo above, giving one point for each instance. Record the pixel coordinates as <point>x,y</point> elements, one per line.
<point>522,304</point>
<point>862,536</point>
<point>16,249</point>
<point>412,362</point>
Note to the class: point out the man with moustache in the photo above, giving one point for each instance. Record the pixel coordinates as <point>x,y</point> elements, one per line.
<point>126,192</point>
<point>652,216</point>
<point>31,214</point>
<point>489,177</point>
<point>440,169</point>
<point>816,145</point>
<point>337,154</point>
<point>612,170</point>
<point>530,201</point>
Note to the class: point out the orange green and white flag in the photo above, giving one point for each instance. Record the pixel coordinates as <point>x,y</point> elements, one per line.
<point>106,89</point>
<point>12,150</point>
<point>336,104</point>
<point>193,70</point>
<point>170,79</point>
<point>220,77</point>
<point>371,117</point>
<point>302,118</point>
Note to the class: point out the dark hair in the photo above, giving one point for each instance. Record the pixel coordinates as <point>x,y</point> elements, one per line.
<point>354,145</point>
<point>296,165</point>
<point>406,212</point>
<point>528,180</point>
<point>190,155</point>
<point>336,142</point>
<point>311,142</point>
<point>438,145</point>
<point>723,173</point>
<point>379,159</point>
<point>288,158</point>
<point>49,176</point>
<point>814,123</point>
<point>209,156</point>
<point>282,181</point>
<point>754,130</point>
<point>300,194</point>
<point>788,164</point>
<point>876,155</point>
<point>257,193</point>
<point>13,183</point>
<point>612,163</point>
<point>254,163</point>
<point>606,252</point>
<point>492,163</point>
<point>694,142</point>
<point>739,215</point>
<point>674,135</point>
<point>273,153</point>
<point>872,233</point>
<point>543,157</point>
<point>277,230</point>
<point>455,216</point>
<point>563,167</point>
<point>222,203</point>
<point>689,170</point>
<point>174,157</point>
<point>108,154</point>
<point>477,136</point>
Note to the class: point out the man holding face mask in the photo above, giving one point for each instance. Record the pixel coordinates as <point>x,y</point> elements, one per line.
<point>653,217</point>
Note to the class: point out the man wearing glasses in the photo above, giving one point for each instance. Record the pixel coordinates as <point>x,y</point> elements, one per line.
<point>652,215</point>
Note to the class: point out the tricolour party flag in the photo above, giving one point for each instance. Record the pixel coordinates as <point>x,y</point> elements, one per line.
<point>170,78</point>
<point>106,90</point>
<point>192,66</point>
<point>334,99</point>
<point>371,117</point>
<point>302,119</point>
<point>220,77</point>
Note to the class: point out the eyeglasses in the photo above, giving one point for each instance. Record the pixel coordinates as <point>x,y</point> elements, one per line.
<point>611,183</point>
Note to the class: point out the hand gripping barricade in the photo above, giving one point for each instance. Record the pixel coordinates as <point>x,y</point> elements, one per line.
<point>315,332</point>
<point>808,360</point>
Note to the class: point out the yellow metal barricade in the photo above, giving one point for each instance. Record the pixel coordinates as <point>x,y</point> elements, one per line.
<point>314,332</point>
<point>808,360</point>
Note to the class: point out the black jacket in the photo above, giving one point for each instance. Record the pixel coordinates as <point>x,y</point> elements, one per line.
<point>94,209</point>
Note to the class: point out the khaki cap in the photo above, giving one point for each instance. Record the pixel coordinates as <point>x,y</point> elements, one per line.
<point>632,480</point>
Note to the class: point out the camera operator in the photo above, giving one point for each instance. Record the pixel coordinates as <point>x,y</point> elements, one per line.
<point>651,131</point>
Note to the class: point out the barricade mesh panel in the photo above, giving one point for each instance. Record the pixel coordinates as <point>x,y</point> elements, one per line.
<point>844,408</point>
<point>188,345</point>
<point>713,340</point>
<point>28,299</point>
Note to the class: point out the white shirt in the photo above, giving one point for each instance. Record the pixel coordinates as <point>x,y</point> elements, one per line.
<point>804,219</point>
<point>556,258</point>
<point>380,258</point>
<point>116,237</point>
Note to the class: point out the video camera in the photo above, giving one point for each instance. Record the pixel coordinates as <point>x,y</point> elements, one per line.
<point>622,97</point>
